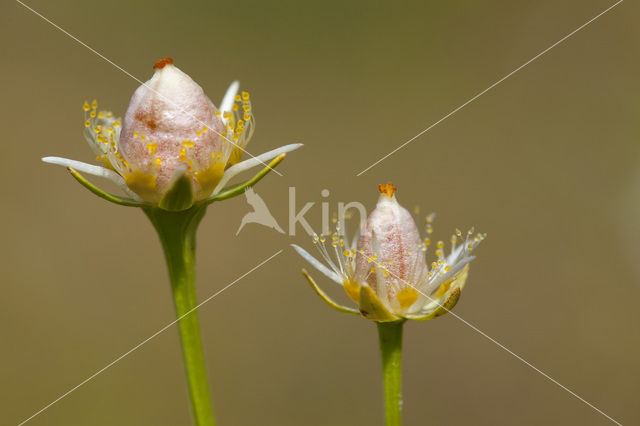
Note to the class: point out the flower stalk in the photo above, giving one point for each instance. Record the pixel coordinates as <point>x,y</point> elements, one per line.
<point>384,270</point>
<point>390,334</point>
<point>177,232</point>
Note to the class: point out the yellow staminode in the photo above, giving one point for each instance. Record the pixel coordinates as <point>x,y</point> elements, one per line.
<point>443,289</point>
<point>209,178</point>
<point>407,297</point>
<point>352,289</point>
<point>143,184</point>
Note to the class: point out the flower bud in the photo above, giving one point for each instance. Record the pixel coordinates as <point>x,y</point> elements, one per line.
<point>171,126</point>
<point>175,148</point>
<point>391,238</point>
<point>386,272</point>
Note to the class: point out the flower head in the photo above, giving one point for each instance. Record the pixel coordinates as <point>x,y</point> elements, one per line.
<point>385,270</point>
<point>171,132</point>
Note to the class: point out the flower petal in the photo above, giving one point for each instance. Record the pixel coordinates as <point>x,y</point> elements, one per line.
<point>453,274</point>
<point>237,189</point>
<point>317,264</point>
<point>252,162</point>
<point>95,171</point>
<point>228,99</point>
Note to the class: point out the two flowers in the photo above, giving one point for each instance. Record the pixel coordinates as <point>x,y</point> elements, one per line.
<point>175,153</point>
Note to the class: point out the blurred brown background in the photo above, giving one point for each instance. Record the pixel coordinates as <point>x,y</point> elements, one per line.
<point>547,164</point>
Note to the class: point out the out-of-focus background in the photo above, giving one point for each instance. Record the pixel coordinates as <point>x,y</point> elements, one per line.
<point>547,163</point>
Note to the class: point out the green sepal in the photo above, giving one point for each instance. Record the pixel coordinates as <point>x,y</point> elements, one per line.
<point>179,197</point>
<point>238,189</point>
<point>451,300</point>
<point>448,304</point>
<point>372,308</point>
<point>102,194</point>
<point>326,298</point>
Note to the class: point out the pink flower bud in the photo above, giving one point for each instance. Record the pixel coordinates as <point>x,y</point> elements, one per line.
<point>172,138</point>
<point>170,126</point>
<point>391,238</point>
<point>386,271</point>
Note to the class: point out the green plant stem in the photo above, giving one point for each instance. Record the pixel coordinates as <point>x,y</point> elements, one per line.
<point>390,334</point>
<point>177,231</point>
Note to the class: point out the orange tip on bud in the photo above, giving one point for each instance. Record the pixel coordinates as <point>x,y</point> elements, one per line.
<point>162,63</point>
<point>387,189</point>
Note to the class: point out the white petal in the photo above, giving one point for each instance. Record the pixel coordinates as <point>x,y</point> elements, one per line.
<point>356,237</point>
<point>437,281</point>
<point>317,264</point>
<point>453,257</point>
<point>381,288</point>
<point>93,170</point>
<point>229,99</point>
<point>252,162</point>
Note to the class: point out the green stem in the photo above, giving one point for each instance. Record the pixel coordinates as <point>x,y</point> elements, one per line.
<point>177,231</point>
<point>390,334</point>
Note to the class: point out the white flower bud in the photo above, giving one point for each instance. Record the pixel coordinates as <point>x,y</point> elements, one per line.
<point>390,239</point>
<point>171,125</point>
